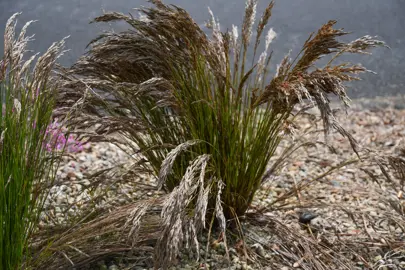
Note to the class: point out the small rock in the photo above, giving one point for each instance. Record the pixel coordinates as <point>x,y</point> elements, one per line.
<point>61,200</point>
<point>78,187</point>
<point>235,260</point>
<point>53,190</point>
<point>389,144</point>
<point>373,214</point>
<point>71,200</point>
<point>377,258</point>
<point>102,151</point>
<point>232,251</point>
<point>113,267</point>
<point>71,174</point>
<point>259,249</point>
<point>86,183</point>
<point>306,217</point>
<point>60,220</point>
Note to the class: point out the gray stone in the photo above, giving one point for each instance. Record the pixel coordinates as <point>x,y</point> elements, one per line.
<point>113,267</point>
<point>86,183</point>
<point>78,187</point>
<point>259,249</point>
<point>79,175</point>
<point>235,260</point>
<point>61,199</point>
<point>377,258</point>
<point>232,251</point>
<point>71,200</point>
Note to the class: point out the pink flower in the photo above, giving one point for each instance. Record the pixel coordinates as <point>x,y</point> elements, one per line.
<point>57,140</point>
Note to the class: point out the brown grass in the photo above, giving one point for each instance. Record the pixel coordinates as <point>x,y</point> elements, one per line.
<point>135,83</point>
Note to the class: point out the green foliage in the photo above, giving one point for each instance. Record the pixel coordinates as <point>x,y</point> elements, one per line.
<point>26,169</point>
<point>239,137</point>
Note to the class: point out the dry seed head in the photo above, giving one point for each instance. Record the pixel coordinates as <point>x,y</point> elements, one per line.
<point>143,17</point>
<point>3,133</point>
<point>28,63</point>
<point>219,211</point>
<point>235,33</point>
<point>263,22</point>
<point>168,162</point>
<point>248,21</point>
<point>134,219</point>
<point>202,204</point>
<point>218,42</point>
<point>9,34</point>
<point>17,106</point>
<point>174,214</point>
<point>21,37</point>
<point>361,45</point>
<point>261,63</point>
<point>193,235</point>
<point>234,38</point>
<point>47,61</point>
<point>214,24</point>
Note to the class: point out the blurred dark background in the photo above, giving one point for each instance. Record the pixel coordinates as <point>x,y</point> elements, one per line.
<point>293,20</point>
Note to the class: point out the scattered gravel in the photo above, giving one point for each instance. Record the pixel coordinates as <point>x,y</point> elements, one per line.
<point>75,189</point>
<point>350,206</point>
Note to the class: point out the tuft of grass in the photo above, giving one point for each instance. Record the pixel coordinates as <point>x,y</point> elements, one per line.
<point>206,120</point>
<point>26,168</point>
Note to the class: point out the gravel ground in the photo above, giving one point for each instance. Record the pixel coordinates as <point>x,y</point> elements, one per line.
<point>353,212</point>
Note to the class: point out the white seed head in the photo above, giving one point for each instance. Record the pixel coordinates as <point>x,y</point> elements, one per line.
<point>17,106</point>
<point>2,135</point>
<point>143,17</point>
<point>271,35</point>
<point>235,33</point>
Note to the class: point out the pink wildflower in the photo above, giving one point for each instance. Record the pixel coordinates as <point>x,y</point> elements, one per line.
<point>56,139</point>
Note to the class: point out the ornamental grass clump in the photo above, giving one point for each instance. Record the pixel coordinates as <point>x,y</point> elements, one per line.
<point>206,118</point>
<point>26,167</point>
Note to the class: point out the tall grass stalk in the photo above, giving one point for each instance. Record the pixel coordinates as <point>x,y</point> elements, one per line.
<point>26,168</point>
<point>206,120</point>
